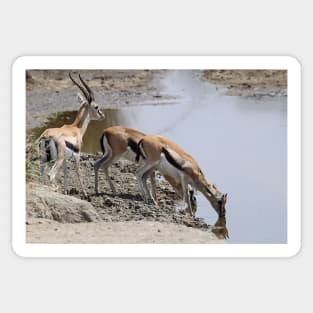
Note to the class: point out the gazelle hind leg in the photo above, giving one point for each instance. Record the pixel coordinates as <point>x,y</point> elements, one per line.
<point>147,190</point>
<point>55,168</point>
<point>142,175</point>
<point>153,185</point>
<point>104,164</point>
<point>55,155</point>
<point>106,171</point>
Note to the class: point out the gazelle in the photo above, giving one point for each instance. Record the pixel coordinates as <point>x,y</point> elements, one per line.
<point>171,160</point>
<point>59,144</point>
<point>122,142</point>
<point>117,142</point>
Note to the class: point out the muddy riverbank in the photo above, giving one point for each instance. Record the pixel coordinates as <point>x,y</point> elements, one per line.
<point>252,83</point>
<point>127,204</point>
<point>164,223</point>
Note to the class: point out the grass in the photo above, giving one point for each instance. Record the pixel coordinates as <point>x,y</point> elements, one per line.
<point>32,155</point>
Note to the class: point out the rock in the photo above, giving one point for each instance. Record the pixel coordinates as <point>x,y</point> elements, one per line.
<point>73,191</point>
<point>108,202</point>
<point>43,203</point>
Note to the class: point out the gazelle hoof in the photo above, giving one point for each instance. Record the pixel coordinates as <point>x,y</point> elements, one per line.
<point>151,201</point>
<point>188,211</point>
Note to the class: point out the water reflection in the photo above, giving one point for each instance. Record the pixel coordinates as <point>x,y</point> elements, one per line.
<point>220,229</point>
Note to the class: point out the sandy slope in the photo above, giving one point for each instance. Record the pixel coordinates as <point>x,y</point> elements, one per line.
<point>47,231</point>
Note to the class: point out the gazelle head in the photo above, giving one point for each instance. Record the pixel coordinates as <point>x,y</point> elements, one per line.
<point>88,97</point>
<point>220,205</point>
<point>215,197</point>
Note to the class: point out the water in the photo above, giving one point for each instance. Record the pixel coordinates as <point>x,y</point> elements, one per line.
<point>240,144</point>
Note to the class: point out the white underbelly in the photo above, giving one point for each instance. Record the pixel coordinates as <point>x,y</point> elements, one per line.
<point>70,153</point>
<point>167,168</point>
<point>129,155</point>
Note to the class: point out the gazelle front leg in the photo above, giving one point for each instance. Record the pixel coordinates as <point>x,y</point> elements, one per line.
<point>151,193</point>
<point>178,189</point>
<point>186,194</point>
<point>153,185</point>
<point>104,164</point>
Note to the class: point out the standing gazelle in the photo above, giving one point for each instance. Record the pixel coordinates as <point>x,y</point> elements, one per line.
<point>118,142</point>
<point>122,142</point>
<point>59,144</point>
<point>171,160</point>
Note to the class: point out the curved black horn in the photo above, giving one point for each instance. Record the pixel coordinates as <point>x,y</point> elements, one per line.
<point>87,96</point>
<point>92,96</point>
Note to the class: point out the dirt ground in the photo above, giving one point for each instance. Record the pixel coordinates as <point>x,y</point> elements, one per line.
<point>132,232</point>
<point>126,206</point>
<point>249,82</point>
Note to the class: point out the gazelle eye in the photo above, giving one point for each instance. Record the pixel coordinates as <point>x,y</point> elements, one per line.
<point>96,107</point>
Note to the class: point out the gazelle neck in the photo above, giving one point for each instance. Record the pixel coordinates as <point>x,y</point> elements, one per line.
<point>82,119</point>
<point>210,192</point>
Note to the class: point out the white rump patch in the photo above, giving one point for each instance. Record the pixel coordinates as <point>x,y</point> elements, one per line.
<point>167,168</point>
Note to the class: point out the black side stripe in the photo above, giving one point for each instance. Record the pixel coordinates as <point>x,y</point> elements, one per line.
<point>101,143</point>
<point>71,147</point>
<point>47,150</point>
<point>133,146</point>
<point>171,160</point>
<point>139,152</point>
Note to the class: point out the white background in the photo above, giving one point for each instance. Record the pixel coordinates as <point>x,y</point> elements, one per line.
<point>149,28</point>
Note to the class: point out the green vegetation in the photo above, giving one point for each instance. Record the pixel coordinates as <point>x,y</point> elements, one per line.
<point>31,166</point>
